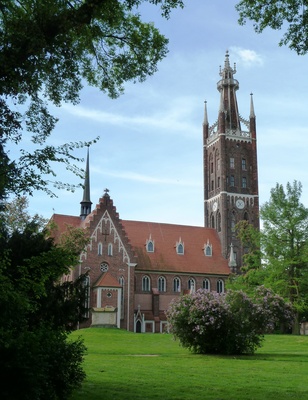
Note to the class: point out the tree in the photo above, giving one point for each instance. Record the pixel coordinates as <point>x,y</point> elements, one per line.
<point>47,50</point>
<point>285,244</point>
<point>226,323</point>
<point>37,312</point>
<point>291,14</point>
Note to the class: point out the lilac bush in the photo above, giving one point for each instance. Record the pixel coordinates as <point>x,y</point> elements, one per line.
<point>227,323</point>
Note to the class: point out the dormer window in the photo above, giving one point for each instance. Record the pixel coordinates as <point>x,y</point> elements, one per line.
<point>180,247</point>
<point>208,249</point>
<point>150,245</point>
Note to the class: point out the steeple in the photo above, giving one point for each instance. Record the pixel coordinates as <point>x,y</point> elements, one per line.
<point>230,168</point>
<point>227,86</point>
<point>86,203</point>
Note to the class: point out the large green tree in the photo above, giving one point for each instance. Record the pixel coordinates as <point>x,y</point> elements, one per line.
<point>37,312</point>
<point>285,243</point>
<point>277,257</point>
<point>290,16</point>
<point>48,49</point>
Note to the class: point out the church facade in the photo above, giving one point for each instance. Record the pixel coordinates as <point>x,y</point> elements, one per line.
<point>134,268</point>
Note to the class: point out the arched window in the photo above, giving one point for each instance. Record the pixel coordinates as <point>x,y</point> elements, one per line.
<point>146,283</point>
<point>110,249</point>
<point>191,284</point>
<point>176,285</point>
<point>99,249</point>
<point>161,284</point>
<point>122,282</point>
<point>208,249</point>
<point>213,221</point>
<point>220,286</point>
<point>218,221</point>
<point>246,216</point>
<point>179,247</point>
<point>206,284</point>
<point>233,222</point>
<point>86,285</point>
<point>150,246</point>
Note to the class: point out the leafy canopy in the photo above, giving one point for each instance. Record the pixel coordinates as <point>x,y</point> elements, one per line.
<point>48,49</point>
<point>288,15</point>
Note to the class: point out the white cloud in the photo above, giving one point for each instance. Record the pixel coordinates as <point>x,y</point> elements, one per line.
<point>246,56</point>
<point>133,176</point>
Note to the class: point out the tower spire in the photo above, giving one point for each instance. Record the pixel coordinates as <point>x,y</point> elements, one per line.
<point>86,203</point>
<point>227,86</point>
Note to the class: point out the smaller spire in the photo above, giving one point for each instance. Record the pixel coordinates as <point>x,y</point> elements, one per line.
<point>252,110</point>
<point>232,262</point>
<point>205,121</point>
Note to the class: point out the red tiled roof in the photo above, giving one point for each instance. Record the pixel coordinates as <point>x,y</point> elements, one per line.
<point>107,280</point>
<point>165,257</point>
<point>62,222</point>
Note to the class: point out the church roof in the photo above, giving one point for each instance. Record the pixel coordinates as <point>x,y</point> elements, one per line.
<point>62,222</point>
<point>166,238</point>
<point>107,280</point>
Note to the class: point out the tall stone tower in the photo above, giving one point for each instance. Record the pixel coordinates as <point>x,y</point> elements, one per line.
<point>230,168</point>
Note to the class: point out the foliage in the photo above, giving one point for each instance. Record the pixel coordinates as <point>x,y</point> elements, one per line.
<point>291,15</point>
<point>232,323</point>
<point>37,312</point>
<point>15,216</point>
<point>285,244</point>
<point>48,50</point>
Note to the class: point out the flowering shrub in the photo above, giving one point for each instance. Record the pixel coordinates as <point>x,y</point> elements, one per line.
<point>231,323</point>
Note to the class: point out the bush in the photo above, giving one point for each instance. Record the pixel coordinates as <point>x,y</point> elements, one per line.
<point>231,323</point>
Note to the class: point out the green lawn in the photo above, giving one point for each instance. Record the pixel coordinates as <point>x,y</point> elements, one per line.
<point>122,365</point>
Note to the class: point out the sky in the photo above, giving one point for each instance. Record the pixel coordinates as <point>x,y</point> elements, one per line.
<point>149,154</point>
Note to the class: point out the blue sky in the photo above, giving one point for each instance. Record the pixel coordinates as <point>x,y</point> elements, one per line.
<point>150,151</point>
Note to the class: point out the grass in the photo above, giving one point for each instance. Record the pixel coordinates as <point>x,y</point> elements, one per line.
<point>122,365</point>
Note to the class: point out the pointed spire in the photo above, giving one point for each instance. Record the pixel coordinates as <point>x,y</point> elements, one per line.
<point>86,202</point>
<point>232,262</point>
<point>227,86</point>
<point>252,110</point>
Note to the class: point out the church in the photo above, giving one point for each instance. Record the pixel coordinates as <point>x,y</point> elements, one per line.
<point>135,268</point>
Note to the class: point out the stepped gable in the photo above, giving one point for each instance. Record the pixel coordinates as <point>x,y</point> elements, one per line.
<point>165,256</point>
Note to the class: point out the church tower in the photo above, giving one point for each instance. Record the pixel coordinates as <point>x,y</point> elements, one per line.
<point>230,168</point>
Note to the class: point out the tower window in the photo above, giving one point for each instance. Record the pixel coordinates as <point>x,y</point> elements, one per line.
<point>231,162</point>
<point>244,166</point>
<point>146,284</point>
<point>218,221</point>
<point>232,180</point>
<point>212,167</point>
<point>110,249</point>
<point>176,285</point>
<point>218,181</point>
<point>244,182</point>
<point>233,222</point>
<point>212,185</point>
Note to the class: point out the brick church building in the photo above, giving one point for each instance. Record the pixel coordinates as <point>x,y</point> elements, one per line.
<point>135,268</point>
